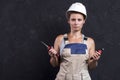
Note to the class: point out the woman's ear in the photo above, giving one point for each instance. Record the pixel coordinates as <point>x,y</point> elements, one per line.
<point>84,22</point>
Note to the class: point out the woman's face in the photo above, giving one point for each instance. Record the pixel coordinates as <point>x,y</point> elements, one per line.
<point>76,21</point>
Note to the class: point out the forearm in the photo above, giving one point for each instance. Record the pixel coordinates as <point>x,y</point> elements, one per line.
<point>54,61</point>
<point>92,64</point>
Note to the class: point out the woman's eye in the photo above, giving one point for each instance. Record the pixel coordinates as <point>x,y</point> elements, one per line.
<point>76,19</point>
<point>73,19</point>
<point>79,19</point>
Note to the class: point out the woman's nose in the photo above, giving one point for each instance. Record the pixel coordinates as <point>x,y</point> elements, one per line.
<point>76,21</point>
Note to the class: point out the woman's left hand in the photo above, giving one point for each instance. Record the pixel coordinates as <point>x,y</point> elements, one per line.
<point>96,55</point>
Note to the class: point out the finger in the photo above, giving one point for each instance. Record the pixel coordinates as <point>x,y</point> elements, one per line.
<point>99,53</point>
<point>97,57</point>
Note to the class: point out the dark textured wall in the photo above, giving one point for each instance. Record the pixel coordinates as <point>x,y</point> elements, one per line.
<point>24,23</point>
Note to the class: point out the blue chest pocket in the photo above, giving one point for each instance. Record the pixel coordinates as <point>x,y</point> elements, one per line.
<point>77,48</point>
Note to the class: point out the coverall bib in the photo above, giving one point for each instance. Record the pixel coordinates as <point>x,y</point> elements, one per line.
<point>73,65</point>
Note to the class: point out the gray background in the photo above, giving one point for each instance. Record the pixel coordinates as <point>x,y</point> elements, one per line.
<point>24,23</point>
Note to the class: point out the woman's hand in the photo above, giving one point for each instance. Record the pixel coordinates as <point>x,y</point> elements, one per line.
<point>52,52</point>
<point>93,60</point>
<point>54,57</point>
<point>96,56</point>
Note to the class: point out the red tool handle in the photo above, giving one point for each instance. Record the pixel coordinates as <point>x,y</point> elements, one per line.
<point>48,47</point>
<point>100,50</point>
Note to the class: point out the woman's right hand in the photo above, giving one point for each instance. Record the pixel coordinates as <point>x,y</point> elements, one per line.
<point>52,52</point>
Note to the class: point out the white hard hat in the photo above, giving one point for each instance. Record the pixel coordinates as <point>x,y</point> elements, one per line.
<point>78,7</point>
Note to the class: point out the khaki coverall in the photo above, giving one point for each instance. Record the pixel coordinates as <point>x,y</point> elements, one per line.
<point>73,65</point>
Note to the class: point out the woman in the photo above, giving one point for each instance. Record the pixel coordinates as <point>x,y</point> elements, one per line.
<point>74,52</point>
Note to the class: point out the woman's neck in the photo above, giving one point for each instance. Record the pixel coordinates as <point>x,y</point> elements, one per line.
<point>77,34</point>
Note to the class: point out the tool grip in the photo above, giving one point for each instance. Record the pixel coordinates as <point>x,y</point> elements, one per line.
<point>100,50</point>
<point>48,47</point>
